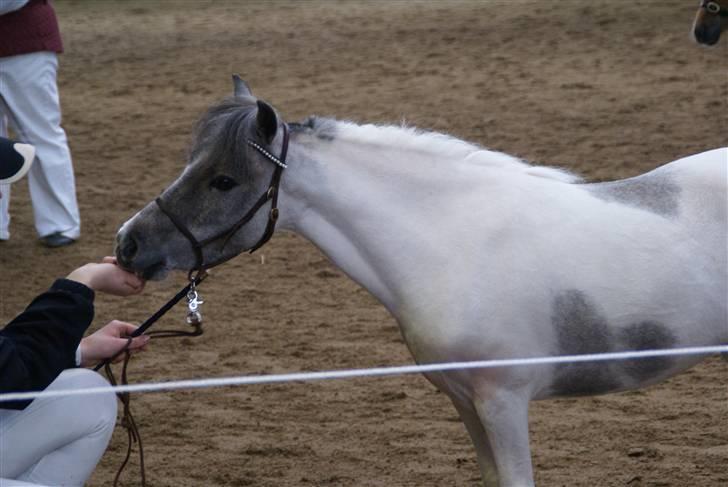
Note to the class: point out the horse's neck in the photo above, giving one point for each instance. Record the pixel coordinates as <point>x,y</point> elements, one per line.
<point>370,208</point>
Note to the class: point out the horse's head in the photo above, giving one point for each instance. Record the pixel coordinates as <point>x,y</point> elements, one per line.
<point>710,21</point>
<point>218,207</point>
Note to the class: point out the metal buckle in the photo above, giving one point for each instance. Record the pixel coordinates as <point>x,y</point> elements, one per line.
<point>194,317</point>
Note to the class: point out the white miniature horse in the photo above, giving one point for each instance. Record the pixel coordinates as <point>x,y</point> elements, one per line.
<point>478,255</point>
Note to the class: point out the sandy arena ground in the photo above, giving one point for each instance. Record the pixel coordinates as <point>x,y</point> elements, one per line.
<point>608,89</point>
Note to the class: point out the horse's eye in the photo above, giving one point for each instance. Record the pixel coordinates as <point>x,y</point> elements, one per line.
<point>223,183</point>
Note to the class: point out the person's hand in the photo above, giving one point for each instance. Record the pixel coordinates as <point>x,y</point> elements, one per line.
<point>108,277</point>
<point>107,341</point>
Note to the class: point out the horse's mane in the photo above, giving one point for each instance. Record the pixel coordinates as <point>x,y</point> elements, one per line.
<point>224,126</point>
<point>409,138</point>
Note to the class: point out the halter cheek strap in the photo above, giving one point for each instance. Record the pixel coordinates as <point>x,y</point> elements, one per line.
<point>271,194</point>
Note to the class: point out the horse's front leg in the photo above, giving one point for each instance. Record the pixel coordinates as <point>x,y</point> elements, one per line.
<point>486,461</point>
<point>504,416</point>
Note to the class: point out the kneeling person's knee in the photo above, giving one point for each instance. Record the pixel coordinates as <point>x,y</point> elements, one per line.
<point>98,410</point>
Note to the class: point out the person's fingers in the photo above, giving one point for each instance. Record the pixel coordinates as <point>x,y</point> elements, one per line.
<point>109,277</point>
<point>123,328</point>
<point>139,342</point>
<point>115,328</point>
<point>133,281</point>
<point>136,284</point>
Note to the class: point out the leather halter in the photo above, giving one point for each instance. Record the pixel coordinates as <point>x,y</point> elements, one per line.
<point>271,194</point>
<point>713,8</point>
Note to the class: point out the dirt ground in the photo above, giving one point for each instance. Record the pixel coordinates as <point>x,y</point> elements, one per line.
<point>608,89</point>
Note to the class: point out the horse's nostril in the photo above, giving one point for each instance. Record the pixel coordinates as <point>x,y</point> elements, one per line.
<point>706,35</point>
<point>126,250</point>
<point>699,33</point>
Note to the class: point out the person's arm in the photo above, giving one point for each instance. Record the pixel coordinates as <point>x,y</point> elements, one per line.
<point>7,6</point>
<point>41,342</point>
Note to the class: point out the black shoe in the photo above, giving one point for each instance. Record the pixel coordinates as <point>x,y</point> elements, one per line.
<point>55,240</point>
<point>15,160</point>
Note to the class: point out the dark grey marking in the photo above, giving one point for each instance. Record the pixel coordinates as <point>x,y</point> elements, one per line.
<point>647,335</point>
<point>322,128</point>
<point>655,191</point>
<point>581,329</point>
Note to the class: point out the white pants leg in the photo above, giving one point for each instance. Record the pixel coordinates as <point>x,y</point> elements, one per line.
<point>30,100</point>
<point>57,441</point>
<point>4,190</point>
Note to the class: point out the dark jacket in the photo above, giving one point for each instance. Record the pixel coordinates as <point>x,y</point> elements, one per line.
<point>32,28</point>
<point>41,342</point>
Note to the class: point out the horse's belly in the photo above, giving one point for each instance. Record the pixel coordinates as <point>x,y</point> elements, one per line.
<point>625,303</point>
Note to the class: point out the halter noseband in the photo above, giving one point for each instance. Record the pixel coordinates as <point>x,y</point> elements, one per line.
<point>713,8</point>
<point>271,194</point>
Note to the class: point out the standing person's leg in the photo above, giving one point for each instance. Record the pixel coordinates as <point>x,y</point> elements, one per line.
<point>30,92</point>
<point>4,188</point>
<point>58,441</point>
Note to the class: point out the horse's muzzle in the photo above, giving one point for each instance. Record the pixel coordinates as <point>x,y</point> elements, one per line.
<point>144,264</point>
<point>706,34</point>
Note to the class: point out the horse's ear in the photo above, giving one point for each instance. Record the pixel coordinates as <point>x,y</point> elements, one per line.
<point>267,121</point>
<point>240,87</point>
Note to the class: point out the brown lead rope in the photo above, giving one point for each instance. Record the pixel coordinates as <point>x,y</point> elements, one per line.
<point>127,419</point>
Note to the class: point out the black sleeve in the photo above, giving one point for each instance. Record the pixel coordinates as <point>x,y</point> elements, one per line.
<point>41,342</point>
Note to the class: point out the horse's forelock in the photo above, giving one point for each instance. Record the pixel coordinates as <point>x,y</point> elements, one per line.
<point>222,131</point>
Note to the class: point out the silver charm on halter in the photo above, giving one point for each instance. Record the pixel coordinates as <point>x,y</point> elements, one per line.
<point>194,317</point>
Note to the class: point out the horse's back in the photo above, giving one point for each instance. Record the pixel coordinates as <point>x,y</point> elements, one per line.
<point>691,191</point>
<point>703,199</point>
<point>700,185</point>
<point>663,190</point>
<point>705,171</point>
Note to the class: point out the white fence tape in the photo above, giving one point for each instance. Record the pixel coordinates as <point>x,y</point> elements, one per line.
<point>360,373</point>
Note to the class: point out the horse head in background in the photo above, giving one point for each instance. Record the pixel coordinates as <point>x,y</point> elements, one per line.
<point>710,21</point>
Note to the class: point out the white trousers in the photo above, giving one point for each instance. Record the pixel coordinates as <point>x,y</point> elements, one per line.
<point>29,103</point>
<point>57,441</point>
